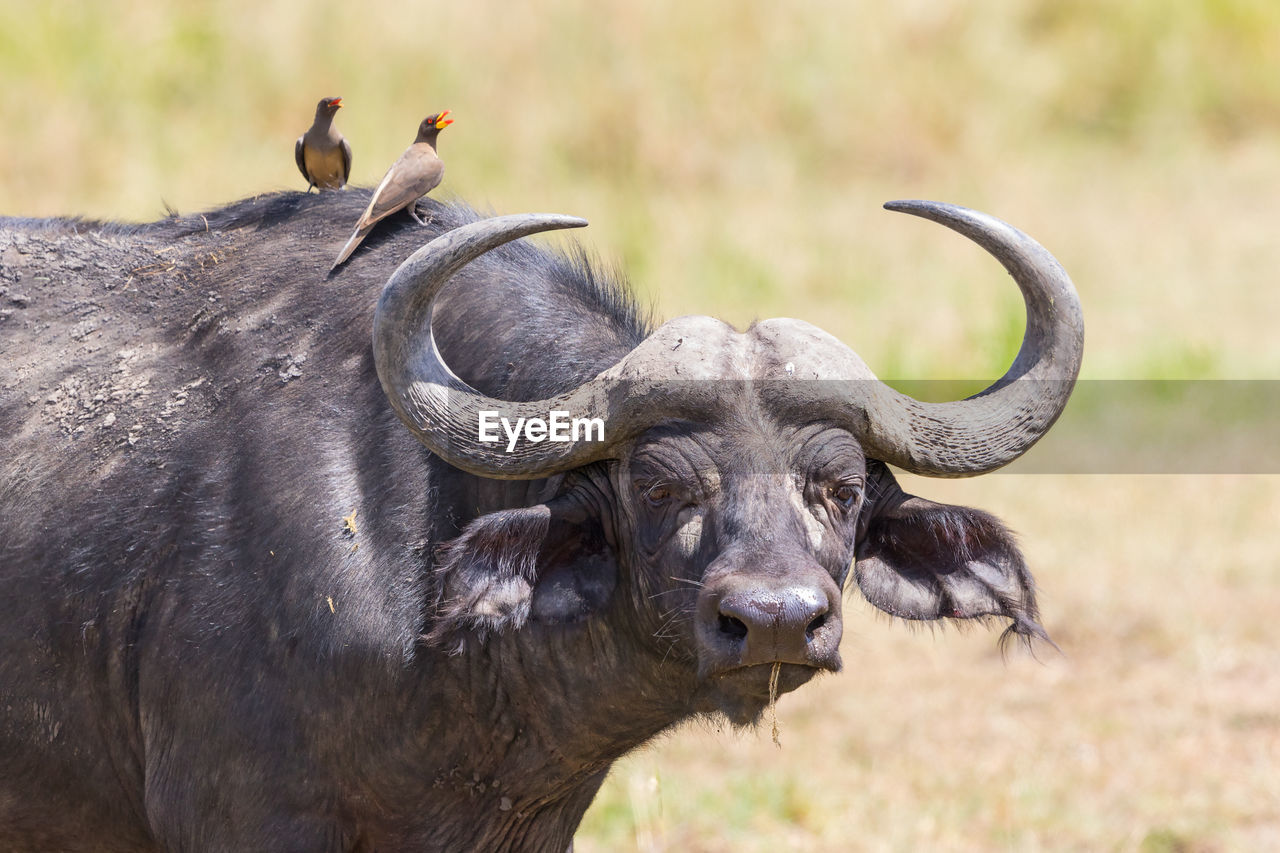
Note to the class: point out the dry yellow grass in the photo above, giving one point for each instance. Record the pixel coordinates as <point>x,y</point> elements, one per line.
<point>732,157</point>
<point>1156,728</point>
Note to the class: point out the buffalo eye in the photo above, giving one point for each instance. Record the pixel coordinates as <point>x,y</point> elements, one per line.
<point>846,495</point>
<point>654,491</point>
<point>657,495</point>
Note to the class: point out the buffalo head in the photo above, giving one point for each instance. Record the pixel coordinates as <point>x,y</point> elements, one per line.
<point>741,474</point>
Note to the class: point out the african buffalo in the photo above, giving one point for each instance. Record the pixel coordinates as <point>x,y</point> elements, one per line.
<point>243,607</point>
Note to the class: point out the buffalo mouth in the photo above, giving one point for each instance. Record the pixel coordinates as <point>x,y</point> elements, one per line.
<point>742,694</point>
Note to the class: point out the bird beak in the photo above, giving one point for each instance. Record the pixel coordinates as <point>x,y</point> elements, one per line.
<point>442,122</point>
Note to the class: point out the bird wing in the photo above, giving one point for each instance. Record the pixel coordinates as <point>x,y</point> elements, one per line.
<point>300,159</point>
<point>416,173</point>
<point>346,159</point>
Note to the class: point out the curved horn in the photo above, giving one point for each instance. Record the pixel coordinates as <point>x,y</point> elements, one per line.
<point>995,426</point>
<point>443,411</point>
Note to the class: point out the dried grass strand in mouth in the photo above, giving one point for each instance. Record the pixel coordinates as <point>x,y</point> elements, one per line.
<point>773,701</point>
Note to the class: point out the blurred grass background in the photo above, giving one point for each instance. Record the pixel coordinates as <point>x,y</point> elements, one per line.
<point>732,158</point>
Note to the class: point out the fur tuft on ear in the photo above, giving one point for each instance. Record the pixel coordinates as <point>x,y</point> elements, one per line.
<point>922,560</point>
<point>486,576</point>
<point>548,563</point>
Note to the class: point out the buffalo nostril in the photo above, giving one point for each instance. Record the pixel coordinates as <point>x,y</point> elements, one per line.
<point>732,626</point>
<point>763,624</point>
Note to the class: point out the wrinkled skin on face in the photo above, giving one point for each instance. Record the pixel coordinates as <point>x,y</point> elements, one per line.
<point>731,546</point>
<point>744,537</point>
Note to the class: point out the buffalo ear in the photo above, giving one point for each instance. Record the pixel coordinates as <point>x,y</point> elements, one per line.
<point>578,576</point>
<point>923,560</point>
<point>549,562</point>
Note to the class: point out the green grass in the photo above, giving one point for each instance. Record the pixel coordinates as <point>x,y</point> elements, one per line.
<point>732,158</point>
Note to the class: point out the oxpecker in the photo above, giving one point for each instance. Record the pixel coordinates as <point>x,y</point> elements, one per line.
<point>416,173</point>
<point>322,154</point>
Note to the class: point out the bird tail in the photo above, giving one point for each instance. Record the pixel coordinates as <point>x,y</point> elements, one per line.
<point>356,239</point>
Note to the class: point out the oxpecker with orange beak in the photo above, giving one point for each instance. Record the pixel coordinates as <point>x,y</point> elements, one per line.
<point>322,154</point>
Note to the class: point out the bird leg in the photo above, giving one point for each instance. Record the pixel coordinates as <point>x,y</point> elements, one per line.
<point>413,211</point>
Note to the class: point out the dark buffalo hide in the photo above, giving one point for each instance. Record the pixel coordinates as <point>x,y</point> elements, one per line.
<point>242,608</point>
